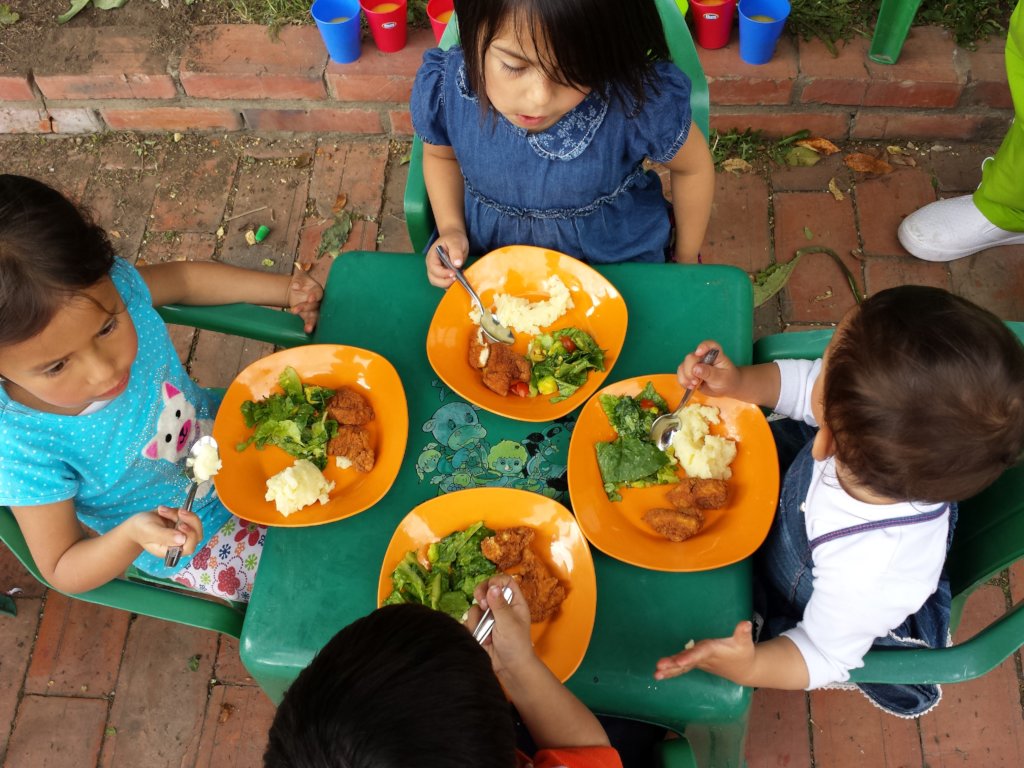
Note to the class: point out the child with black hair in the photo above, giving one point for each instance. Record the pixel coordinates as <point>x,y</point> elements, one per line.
<point>408,686</point>
<point>918,401</point>
<point>537,129</point>
<point>97,414</point>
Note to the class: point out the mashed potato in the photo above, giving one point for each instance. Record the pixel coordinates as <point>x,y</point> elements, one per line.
<point>698,452</point>
<point>529,317</point>
<point>206,463</point>
<point>298,486</point>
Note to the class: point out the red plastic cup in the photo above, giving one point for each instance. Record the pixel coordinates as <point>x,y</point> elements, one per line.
<point>387,22</point>
<point>439,11</point>
<point>712,21</point>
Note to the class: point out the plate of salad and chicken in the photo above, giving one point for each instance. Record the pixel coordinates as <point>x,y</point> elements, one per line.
<point>449,544</point>
<point>569,325</point>
<point>706,502</point>
<point>310,435</point>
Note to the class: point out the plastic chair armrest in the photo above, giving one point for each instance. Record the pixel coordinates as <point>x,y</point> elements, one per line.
<point>676,753</point>
<point>806,345</point>
<point>136,597</point>
<point>274,326</point>
<point>418,218</point>
<point>973,658</point>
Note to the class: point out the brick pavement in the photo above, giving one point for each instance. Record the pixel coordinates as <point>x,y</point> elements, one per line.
<point>82,685</point>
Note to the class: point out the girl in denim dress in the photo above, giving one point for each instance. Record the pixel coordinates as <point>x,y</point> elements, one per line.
<point>536,131</point>
<point>918,401</point>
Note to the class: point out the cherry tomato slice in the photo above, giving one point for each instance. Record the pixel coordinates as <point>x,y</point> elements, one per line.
<point>520,388</point>
<point>645,404</point>
<point>569,344</point>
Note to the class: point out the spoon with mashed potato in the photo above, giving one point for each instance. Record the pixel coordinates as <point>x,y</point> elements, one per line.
<point>665,426</point>
<point>488,321</point>
<point>203,462</point>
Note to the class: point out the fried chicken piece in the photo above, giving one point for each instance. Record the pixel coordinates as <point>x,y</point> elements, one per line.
<point>505,548</point>
<point>542,590</point>
<point>509,550</point>
<point>349,407</point>
<point>698,493</point>
<point>503,367</point>
<point>675,524</point>
<point>479,349</point>
<point>354,444</point>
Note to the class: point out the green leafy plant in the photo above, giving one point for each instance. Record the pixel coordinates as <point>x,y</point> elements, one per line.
<point>78,5</point>
<point>750,146</point>
<point>7,16</point>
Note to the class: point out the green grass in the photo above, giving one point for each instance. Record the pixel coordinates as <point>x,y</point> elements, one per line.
<point>751,146</point>
<point>834,20</point>
<point>828,20</point>
<point>276,13</point>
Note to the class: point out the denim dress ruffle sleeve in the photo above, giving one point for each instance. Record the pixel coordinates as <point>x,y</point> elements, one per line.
<point>579,187</point>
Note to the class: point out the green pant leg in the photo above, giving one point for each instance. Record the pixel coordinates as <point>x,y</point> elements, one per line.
<point>1001,194</point>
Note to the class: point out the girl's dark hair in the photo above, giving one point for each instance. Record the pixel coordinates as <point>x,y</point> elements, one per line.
<point>597,44</point>
<point>924,394</point>
<point>403,686</point>
<point>50,250</point>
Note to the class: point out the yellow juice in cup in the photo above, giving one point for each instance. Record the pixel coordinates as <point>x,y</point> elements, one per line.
<point>385,8</point>
<point>444,16</point>
<point>338,19</point>
<point>762,18</point>
<point>712,2</point>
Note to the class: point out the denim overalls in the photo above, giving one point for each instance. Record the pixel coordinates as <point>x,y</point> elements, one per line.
<point>784,573</point>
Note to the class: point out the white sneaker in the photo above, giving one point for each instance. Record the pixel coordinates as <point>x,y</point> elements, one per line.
<point>951,229</point>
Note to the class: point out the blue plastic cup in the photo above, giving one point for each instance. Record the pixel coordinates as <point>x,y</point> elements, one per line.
<point>338,22</point>
<point>761,23</point>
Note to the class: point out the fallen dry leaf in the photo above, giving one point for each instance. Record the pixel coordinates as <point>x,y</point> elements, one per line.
<point>226,711</point>
<point>892,149</point>
<point>858,161</point>
<point>901,159</point>
<point>340,202</point>
<point>834,189</point>
<point>824,296</point>
<point>736,165</point>
<point>824,146</point>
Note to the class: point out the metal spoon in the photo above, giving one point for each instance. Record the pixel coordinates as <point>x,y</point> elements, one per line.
<point>173,554</point>
<point>486,623</point>
<point>665,426</point>
<point>488,320</point>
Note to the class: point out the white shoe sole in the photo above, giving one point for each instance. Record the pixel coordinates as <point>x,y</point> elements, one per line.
<point>951,229</point>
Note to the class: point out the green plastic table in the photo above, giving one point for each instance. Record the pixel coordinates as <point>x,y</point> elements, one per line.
<point>314,581</point>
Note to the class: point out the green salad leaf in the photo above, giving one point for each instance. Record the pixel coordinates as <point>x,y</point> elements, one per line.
<point>456,567</point>
<point>632,460</point>
<point>296,420</point>
<point>561,361</point>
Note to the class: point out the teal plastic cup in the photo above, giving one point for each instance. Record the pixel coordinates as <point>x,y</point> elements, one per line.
<point>338,22</point>
<point>761,23</point>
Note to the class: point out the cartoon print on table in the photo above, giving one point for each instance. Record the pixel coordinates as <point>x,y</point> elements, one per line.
<point>177,428</point>
<point>460,456</point>
<point>461,445</point>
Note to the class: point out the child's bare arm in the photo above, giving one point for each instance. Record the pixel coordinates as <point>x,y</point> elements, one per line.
<point>692,178</point>
<point>776,663</point>
<point>73,562</point>
<point>200,283</point>
<point>758,384</point>
<point>446,190</point>
<point>554,717</point>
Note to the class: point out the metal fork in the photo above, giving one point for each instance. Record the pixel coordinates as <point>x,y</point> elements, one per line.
<point>486,623</point>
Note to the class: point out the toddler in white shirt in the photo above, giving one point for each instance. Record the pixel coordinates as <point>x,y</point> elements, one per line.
<point>918,402</point>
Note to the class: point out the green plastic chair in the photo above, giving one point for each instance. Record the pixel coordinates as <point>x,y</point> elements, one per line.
<point>989,537</point>
<point>139,592</point>
<point>418,218</point>
<point>894,20</point>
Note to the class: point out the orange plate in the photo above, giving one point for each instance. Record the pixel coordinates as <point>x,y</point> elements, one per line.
<point>560,642</point>
<point>520,270</point>
<point>729,534</point>
<point>242,480</point>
